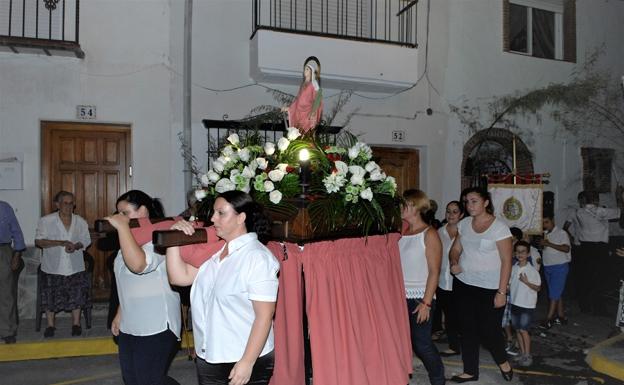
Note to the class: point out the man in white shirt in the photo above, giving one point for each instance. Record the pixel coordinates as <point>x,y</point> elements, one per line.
<point>591,226</point>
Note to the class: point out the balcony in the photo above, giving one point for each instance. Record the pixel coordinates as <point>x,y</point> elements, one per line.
<point>50,27</point>
<point>363,45</point>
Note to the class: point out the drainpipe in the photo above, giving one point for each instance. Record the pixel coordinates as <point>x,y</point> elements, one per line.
<point>186,102</point>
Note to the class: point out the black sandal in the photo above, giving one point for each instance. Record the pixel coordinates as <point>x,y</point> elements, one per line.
<point>508,376</point>
<point>458,379</point>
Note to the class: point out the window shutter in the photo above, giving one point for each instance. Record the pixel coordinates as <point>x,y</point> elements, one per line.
<point>505,25</point>
<point>569,31</point>
<point>597,166</point>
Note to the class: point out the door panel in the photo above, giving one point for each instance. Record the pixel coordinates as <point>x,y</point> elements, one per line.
<point>401,163</point>
<point>91,161</point>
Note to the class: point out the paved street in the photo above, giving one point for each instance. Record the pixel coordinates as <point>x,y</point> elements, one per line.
<point>559,359</point>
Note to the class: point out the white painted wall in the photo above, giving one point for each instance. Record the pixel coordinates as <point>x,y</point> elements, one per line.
<point>478,70</point>
<point>125,74</point>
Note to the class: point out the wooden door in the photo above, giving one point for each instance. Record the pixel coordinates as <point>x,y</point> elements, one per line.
<point>401,163</point>
<point>91,161</point>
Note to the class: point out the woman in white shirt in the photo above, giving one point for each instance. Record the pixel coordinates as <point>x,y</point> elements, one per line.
<point>421,251</point>
<point>148,318</point>
<point>444,293</point>
<point>63,236</point>
<point>481,262</point>
<point>233,295</point>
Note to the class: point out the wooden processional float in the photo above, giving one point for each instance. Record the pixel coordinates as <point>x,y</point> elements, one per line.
<point>195,249</point>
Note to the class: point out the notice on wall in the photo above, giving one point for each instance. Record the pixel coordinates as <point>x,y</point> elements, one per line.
<point>10,172</point>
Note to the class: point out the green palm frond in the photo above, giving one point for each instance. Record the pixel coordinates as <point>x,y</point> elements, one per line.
<point>327,214</point>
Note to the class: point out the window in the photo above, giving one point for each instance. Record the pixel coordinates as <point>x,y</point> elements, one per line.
<point>597,166</point>
<point>544,29</point>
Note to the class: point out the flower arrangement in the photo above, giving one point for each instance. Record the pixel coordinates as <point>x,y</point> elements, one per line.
<point>347,188</point>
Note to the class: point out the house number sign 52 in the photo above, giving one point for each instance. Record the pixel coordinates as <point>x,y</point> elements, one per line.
<point>85,112</point>
<point>398,136</point>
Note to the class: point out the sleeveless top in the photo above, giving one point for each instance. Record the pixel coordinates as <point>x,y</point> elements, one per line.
<point>414,264</point>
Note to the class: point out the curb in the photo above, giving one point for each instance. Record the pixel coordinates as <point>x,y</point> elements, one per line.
<point>600,362</point>
<point>63,348</point>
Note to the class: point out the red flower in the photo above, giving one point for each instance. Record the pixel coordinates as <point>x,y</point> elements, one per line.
<point>289,169</point>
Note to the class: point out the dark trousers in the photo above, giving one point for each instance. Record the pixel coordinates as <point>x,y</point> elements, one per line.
<point>8,288</point>
<point>217,374</point>
<point>144,360</point>
<point>480,323</point>
<point>592,267</point>
<point>423,346</point>
<point>446,302</point>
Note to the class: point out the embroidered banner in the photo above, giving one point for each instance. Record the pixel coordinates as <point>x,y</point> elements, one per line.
<point>519,205</point>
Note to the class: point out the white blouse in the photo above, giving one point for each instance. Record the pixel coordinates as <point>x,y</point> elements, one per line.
<point>480,261</point>
<point>148,304</point>
<point>221,298</point>
<point>55,260</point>
<point>446,279</point>
<point>414,264</point>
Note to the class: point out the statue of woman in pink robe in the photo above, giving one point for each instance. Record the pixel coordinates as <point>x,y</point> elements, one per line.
<point>306,110</point>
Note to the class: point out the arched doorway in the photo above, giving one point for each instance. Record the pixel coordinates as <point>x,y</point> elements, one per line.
<point>490,152</point>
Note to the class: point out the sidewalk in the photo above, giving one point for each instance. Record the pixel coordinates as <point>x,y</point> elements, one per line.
<point>31,345</point>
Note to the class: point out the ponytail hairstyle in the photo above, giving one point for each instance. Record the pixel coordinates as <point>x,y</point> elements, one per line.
<point>138,198</point>
<point>256,220</point>
<point>419,200</point>
<point>484,194</point>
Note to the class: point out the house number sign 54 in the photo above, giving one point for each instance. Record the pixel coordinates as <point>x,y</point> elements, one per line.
<point>85,112</point>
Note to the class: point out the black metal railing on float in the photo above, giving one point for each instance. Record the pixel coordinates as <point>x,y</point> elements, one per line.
<point>48,20</point>
<point>387,21</point>
<point>266,130</point>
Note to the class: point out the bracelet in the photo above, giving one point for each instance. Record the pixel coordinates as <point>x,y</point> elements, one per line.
<point>425,303</point>
<point>501,292</point>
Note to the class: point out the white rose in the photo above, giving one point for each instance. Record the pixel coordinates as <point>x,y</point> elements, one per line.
<point>200,194</point>
<point>244,154</point>
<point>227,151</point>
<point>357,170</point>
<point>218,165</point>
<point>205,181</point>
<point>357,180</point>
<point>367,194</point>
<point>225,185</point>
<point>275,196</point>
<point>282,167</point>
<point>293,133</point>
<point>353,152</point>
<point>283,144</point>
<point>233,139</point>
<point>376,175</point>
<point>253,165</point>
<point>213,177</point>
<point>341,167</point>
<point>371,166</point>
<point>269,148</point>
<point>262,163</point>
<point>268,186</point>
<point>276,175</point>
<point>248,172</point>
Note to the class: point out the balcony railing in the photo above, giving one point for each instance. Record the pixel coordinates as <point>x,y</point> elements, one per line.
<point>48,25</point>
<point>387,21</point>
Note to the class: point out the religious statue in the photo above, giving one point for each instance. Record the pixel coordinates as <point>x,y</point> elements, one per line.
<point>306,110</point>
